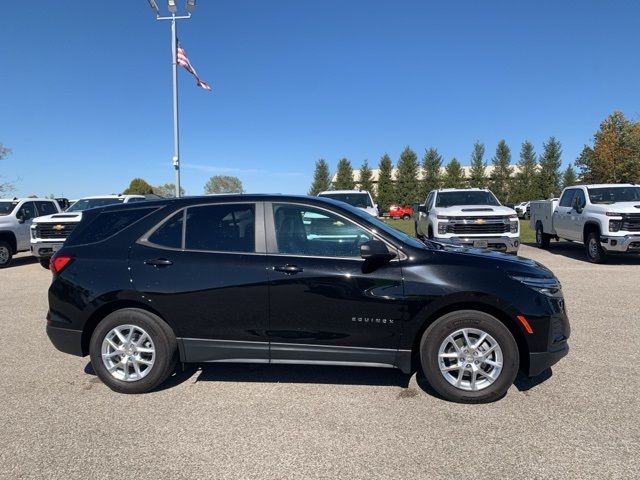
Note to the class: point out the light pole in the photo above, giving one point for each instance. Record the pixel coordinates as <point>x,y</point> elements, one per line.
<point>173,9</point>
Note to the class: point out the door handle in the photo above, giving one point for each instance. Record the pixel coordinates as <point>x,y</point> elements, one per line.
<point>288,269</point>
<point>159,262</point>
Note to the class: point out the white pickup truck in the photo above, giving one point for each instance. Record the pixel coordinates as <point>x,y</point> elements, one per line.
<point>605,218</point>
<point>470,217</point>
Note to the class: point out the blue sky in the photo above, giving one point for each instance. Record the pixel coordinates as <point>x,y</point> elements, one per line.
<point>85,86</point>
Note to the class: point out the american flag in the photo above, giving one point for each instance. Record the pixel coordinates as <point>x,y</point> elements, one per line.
<point>181,57</point>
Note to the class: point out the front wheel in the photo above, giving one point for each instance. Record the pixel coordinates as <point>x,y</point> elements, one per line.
<point>469,356</point>
<point>133,351</point>
<point>419,236</point>
<point>595,252</point>
<point>6,254</point>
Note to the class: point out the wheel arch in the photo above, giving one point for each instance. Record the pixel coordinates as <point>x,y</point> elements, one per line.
<point>10,238</point>
<point>589,227</point>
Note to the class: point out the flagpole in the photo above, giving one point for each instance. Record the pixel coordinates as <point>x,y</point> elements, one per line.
<point>176,135</point>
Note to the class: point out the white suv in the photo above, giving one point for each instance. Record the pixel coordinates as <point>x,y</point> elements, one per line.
<point>471,217</point>
<point>16,216</point>
<point>49,232</point>
<point>355,198</point>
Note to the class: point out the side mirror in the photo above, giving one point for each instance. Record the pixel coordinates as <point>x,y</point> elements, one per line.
<point>20,217</point>
<point>423,209</point>
<point>576,206</point>
<point>375,250</point>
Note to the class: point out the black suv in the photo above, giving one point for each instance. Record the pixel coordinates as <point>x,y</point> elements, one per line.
<point>294,279</point>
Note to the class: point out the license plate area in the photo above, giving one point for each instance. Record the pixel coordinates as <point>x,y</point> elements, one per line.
<point>480,243</point>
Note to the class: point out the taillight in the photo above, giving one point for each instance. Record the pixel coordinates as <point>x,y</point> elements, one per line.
<point>58,263</point>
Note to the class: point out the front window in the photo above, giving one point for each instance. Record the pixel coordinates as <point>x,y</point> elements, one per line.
<point>358,200</point>
<point>7,207</point>
<point>608,195</point>
<point>461,198</point>
<point>87,203</point>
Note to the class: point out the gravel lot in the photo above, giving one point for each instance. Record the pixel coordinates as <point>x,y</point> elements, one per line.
<point>241,421</point>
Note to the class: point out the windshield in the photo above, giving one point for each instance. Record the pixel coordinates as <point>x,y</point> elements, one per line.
<point>614,194</point>
<point>86,203</point>
<point>360,200</point>
<point>6,207</point>
<point>449,199</point>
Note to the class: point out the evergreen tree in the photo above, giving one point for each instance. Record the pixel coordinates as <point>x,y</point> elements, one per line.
<point>138,186</point>
<point>525,183</point>
<point>385,195</point>
<point>501,174</point>
<point>549,175</point>
<point>321,178</point>
<point>344,176</point>
<point>569,177</point>
<point>586,162</point>
<point>453,175</point>
<point>407,182</point>
<point>431,172</point>
<point>365,180</point>
<point>477,173</point>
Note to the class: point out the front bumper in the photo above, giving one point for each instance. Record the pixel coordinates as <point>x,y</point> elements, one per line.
<point>501,244</point>
<point>540,361</point>
<point>66,340</point>
<point>45,249</point>
<point>623,244</point>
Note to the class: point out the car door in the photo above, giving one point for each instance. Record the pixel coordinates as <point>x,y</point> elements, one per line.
<point>25,214</point>
<point>204,270</point>
<point>575,226</point>
<point>325,306</point>
<point>562,214</point>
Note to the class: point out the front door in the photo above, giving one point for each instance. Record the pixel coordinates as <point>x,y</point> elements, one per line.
<point>204,271</point>
<point>325,306</point>
<point>562,214</point>
<point>26,214</point>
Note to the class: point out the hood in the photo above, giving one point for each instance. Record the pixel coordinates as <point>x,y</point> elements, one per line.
<point>59,218</point>
<point>618,207</point>
<point>475,211</point>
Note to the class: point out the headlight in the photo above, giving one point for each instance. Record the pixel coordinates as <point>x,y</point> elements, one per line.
<point>514,226</point>
<point>615,225</point>
<point>613,214</point>
<point>550,287</point>
<point>442,228</point>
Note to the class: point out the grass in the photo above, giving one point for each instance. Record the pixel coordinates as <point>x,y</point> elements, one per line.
<point>527,235</point>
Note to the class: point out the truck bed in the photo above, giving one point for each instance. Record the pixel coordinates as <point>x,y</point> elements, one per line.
<point>542,211</point>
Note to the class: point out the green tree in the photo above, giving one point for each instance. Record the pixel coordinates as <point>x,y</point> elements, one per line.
<point>385,195</point>
<point>365,179</point>
<point>5,187</point>
<point>477,173</point>
<point>321,178</point>
<point>549,174</point>
<point>138,186</point>
<point>344,176</point>
<point>167,190</point>
<point>569,177</point>
<point>407,182</point>
<point>615,156</point>
<point>501,174</point>
<point>431,172</point>
<point>525,183</point>
<point>453,175</point>
<point>223,184</point>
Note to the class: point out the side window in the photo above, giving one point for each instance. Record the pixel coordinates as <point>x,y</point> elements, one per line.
<point>430,199</point>
<point>567,197</point>
<point>302,230</point>
<point>580,199</point>
<point>46,208</point>
<point>27,211</point>
<point>221,228</point>
<point>169,234</point>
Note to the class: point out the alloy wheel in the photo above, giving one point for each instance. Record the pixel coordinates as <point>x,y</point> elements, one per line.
<point>470,359</point>
<point>128,353</point>
<point>4,255</point>
<point>593,247</point>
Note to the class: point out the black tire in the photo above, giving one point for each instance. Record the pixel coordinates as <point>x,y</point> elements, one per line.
<point>593,248</point>
<point>163,338</point>
<point>447,325</point>
<point>406,216</point>
<point>419,236</point>
<point>44,262</point>
<point>6,254</point>
<point>542,239</point>
<point>430,235</point>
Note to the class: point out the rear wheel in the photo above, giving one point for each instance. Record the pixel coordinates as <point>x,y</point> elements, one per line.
<point>6,254</point>
<point>595,252</point>
<point>406,216</point>
<point>542,239</point>
<point>133,351</point>
<point>469,357</point>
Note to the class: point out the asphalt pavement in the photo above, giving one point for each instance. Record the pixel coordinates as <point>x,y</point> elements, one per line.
<point>581,420</point>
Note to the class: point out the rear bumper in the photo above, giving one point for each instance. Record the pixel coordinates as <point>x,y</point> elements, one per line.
<point>66,340</point>
<point>625,244</point>
<point>501,244</point>
<point>45,249</point>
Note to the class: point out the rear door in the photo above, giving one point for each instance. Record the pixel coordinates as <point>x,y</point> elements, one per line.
<point>204,270</point>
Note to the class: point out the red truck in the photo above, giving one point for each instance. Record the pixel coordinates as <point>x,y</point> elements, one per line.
<point>396,211</point>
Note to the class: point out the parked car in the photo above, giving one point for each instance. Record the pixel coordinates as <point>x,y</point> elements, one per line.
<point>471,217</point>
<point>294,279</point>
<point>355,198</point>
<point>48,232</point>
<point>16,216</point>
<point>605,218</point>
<point>522,210</point>
<point>396,211</point>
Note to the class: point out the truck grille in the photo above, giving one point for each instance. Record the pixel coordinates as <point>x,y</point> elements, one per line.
<point>631,222</point>
<point>468,225</point>
<point>54,230</point>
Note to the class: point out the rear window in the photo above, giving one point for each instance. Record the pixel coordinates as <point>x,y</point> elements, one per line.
<point>169,234</point>
<point>221,228</point>
<point>107,224</point>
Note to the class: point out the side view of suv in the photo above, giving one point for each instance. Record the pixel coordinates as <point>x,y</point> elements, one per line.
<point>294,279</point>
<point>16,216</point>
